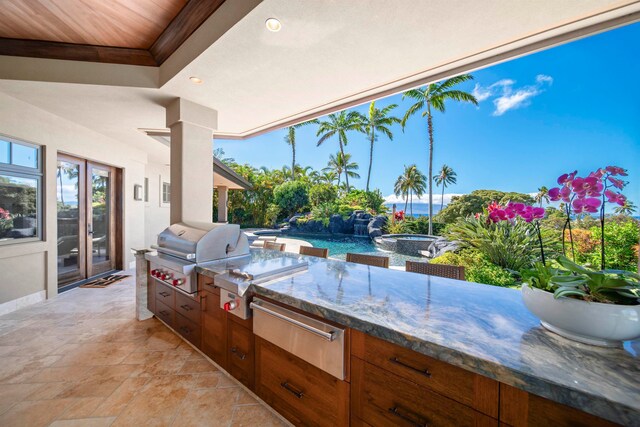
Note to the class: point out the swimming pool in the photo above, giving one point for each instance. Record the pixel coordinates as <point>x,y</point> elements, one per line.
<point>339,246</point>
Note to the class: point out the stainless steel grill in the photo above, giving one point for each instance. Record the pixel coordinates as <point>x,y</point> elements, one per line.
<point>181,247</point>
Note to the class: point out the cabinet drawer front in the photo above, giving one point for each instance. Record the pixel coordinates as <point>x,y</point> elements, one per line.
<point>165,294</point>
<point>206,284</point>
<point>214,329</point>
<point>380,398</point>
<point>301,392</point>
<point>188,329</point>
<point>471,389</point>
<point>164,313</point>
<point>188,307</point>
<point>240,353</point>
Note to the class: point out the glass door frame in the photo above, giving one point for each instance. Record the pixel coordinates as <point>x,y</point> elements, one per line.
<point>94,269</point>
<point>86,268</point>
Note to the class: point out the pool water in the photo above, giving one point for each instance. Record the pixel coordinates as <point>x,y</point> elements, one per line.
<point>339,246</point>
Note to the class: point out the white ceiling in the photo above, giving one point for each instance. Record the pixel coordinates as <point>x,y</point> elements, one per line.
<point>329,54</point>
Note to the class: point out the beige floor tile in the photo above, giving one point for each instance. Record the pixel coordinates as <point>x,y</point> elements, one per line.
<point>202,406</point>
<point>197,367</point>
<point>113,405</point>
<point>64,373</point>
<point>34,414</point>
<point>86,422</point>
<point>100,381</point>
<point>82,408</point>
<point>11,394</point>
<point>255,415</point>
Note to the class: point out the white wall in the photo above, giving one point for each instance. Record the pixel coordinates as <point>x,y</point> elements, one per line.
<point>26,122</point>
<point>156,214</point>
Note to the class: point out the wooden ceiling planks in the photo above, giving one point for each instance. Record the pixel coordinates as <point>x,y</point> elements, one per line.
<point>136,32</point>
<point>132,24</point>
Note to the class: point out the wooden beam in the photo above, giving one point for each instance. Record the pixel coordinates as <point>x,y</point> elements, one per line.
<point>192,15</point>
<point>75,52</point>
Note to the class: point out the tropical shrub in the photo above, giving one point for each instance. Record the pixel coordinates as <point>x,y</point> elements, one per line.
<point>291,197</point>
<point>474,202</point>
<point>411,225</point>
<point>621,239</point>
<point>510,244</point>
<point>370,201</point>
<point>322,193</point>
<point>272,214</point>
<point>323,212</point>
<point>477,267</point>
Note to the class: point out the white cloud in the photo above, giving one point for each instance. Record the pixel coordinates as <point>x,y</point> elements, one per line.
<point>509,98</point>
<point>437,198</point>
<point>542,78</point>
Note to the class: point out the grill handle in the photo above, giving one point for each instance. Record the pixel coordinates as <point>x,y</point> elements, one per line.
<point>329,336</point>
<point>174,253</point>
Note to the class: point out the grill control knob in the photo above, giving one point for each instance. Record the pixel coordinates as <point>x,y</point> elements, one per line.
<point>166,276</point>
<point>177,282</point>
<point>231,305</point>
<point>153,272</point>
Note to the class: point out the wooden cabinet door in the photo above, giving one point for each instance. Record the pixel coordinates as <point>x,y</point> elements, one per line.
<point>240,353</point>
<point>519,408</point>
<point>214,329</point>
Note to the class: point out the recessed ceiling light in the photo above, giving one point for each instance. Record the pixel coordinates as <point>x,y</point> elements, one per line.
<point>273,25</point>
<point>195,80</point>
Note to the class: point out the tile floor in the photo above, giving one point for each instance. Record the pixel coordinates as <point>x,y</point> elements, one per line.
<point>82,359</point>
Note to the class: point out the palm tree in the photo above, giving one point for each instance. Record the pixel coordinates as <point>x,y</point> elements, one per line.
<point>377,121</point>
<point>445,177</point>
<point>290,138</point>
<point>629,208</point>
<point>339,164</point>
<point>327,176</point>
<point>434,96</point>
<point>542,196</point>
<point>411,182</point>
<point>338,125</point>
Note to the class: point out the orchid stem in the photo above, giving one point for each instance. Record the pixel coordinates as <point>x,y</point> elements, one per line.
<point>541,245</point>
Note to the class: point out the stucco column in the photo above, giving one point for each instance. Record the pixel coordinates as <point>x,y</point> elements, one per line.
<point>223,203</point>
<point>192,128</point>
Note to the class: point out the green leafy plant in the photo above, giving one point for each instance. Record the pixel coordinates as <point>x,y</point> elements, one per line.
<point>322,193</point>
<point>540,276</point>
<point>511,245</point>
<point>477,267</point>
<point>613,286</point>
<point>291,196</point>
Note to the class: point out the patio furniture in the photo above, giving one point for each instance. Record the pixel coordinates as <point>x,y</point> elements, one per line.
<point>441,270</point>
<point>317,252</point>
<point>373,260</point>
<point>274,246</point>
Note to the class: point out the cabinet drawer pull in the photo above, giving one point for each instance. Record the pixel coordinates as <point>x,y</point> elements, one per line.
<point>164,294</point>
<point>409,417</point>
<point>203,302</point>
<point>163,313</point>
<point>285,385</point>
<point>185,330</point>
<point>185,307</point>
<point>424,372</point>
<point>239,355</point>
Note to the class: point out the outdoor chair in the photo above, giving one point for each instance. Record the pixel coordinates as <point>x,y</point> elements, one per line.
<point>441,270</point>
<point>373,260</point>
<point>275,246</point>
<point>317,252</point>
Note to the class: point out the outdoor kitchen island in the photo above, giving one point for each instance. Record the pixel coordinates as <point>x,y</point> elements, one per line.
<point>416,349</point>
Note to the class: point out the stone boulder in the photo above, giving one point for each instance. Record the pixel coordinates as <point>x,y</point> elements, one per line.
<point>337,225</point>
<point>375,226</point>
<point>441,246</point>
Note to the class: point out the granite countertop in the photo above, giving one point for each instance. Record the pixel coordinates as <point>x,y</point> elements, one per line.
<point>484,329</point>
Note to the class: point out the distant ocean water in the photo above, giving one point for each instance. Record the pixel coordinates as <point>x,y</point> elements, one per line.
<point>419,209</point>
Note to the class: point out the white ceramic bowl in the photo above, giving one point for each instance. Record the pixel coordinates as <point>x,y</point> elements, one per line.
<point>588,322</point>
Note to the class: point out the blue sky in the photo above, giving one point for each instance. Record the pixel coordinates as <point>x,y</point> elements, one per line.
<point>575,106</point>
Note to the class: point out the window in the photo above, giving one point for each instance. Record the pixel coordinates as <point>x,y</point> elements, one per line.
<point>20,191</point>
<point>166,192</point>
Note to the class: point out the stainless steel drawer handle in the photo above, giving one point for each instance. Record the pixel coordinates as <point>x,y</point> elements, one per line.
<point>185,307</point>
<point>329,336</point>
<point>409,417</point>
<point>424,372</point>
<point>239,355</point>
<point>185,330</point>
<point>163,313</point>
<point>285,385</point>
<point>164,294</point>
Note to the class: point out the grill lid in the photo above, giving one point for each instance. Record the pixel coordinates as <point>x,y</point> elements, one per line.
<point>202,242</point>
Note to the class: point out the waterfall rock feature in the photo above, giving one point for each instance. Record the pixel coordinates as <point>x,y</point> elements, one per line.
<point>375,226</point>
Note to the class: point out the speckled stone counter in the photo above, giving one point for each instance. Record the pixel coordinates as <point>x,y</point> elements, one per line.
<point>484,329</point>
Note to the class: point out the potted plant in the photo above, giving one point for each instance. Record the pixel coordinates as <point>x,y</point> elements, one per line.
<point>599,307</point>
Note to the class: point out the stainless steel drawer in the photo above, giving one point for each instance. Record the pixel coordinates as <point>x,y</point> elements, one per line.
<point>315,342</point>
